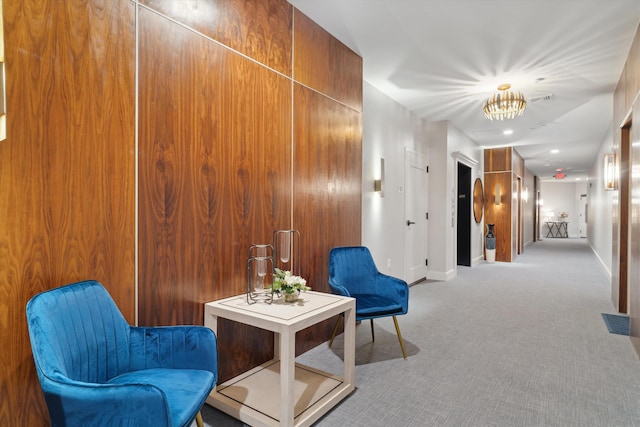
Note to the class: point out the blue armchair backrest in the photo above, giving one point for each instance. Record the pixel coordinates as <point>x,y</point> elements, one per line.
<point>92,336</point>
<point>353,268</point>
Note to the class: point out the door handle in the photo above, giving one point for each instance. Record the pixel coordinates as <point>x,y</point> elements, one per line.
<point>410,222</point>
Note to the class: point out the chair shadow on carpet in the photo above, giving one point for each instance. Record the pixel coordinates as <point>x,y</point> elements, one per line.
<point>385,347</point>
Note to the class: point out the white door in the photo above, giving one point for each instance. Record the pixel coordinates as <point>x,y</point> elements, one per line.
<point>416,183</point>
<point>582,215</point>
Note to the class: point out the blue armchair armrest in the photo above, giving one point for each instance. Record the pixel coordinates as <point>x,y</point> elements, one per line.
<point>393,288</point>
<point>174,347</point>
<point>339,290</point>
<point>106,404</point>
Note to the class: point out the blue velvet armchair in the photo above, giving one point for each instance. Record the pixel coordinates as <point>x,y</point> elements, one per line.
<point>353,273</point>
<point>97,370</point>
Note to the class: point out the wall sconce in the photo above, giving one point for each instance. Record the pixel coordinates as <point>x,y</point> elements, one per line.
<point>498,195</point>
<point>378,184</point>
<point>610,172</point>
<point>525,195</point>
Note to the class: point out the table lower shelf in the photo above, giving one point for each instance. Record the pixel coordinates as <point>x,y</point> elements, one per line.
<point>254,397</point>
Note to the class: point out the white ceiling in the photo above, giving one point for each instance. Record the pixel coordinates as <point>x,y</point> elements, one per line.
<point>443,58</point>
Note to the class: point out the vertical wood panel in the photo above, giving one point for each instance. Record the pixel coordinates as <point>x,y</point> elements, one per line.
<point>66,171</point>
<point>327,187</point>
<point>517,163</point>
<point>339,76</point>
<point>497,159</point>
<point>214,167</point>
<point>500,165</point>
<point>623,219</point>
<point>634,249</point>
<point>632,71</point>
<point>215,150</point>
<point>499,215</point>
<point>260,29</point>
<point>619,100</point>
<point>620,224</point>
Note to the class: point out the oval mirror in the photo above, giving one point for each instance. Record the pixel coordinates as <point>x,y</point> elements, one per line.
<point>478,200</point>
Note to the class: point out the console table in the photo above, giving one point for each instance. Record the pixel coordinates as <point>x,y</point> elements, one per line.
<point>281,391</point>
<point>557,229</point>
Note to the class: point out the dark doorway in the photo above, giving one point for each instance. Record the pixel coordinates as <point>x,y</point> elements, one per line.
<point>464,215</point>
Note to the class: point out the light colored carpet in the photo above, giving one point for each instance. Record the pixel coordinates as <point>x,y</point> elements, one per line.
<point>504,344</point>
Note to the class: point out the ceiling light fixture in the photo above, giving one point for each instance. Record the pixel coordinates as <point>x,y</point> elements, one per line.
<point>505,104</point>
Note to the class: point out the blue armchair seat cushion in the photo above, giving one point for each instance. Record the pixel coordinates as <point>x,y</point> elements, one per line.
<point>179,386</point>
<point>370,306</point>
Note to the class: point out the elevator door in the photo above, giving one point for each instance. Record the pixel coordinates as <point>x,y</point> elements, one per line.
<point>464,215</point>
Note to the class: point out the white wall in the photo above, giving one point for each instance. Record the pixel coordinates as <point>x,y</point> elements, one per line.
<point>600,208</point>
<point>440,231</point>
<point>561,196</point>
<point>388,129</point>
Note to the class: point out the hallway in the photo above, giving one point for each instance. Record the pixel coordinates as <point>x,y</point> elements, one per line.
<point>505,344</point>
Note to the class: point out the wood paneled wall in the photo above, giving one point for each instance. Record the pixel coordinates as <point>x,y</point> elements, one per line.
<point>259,29</point>
<point>624,96</point>
<point>504,167</point>
<point>327,171</point>
<point>500,215</point>
<point>627,121</point>
<point>311,42</point>
<point>215,168</point>
<point>67,171</point>
<point>231,146</point>
<point>634,241</point>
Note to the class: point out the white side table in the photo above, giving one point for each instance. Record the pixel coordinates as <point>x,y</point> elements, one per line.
<point>305,393</point>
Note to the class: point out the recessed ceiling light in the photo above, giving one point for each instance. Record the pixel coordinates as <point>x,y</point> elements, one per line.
<point>507,132</point>
<point>555,151</point>
<point>578,179</point>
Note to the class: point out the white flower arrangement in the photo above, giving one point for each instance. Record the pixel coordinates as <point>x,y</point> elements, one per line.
<point>287,283</point>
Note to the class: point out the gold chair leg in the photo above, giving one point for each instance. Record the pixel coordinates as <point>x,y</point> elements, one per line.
<point>335,330</point>
<point>395,321</point>
<point>373,335</point>
<point>199,419</point>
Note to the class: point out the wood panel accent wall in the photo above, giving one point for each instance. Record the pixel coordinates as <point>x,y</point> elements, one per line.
<point>260,29</point>
<point>634,241</point>
<point>313,42</point>
<point>628,87</point>
<point>504,166</point>
<point>620,224</point>
<point>328,167</point>
<point>499,215</point>
<point>632,72</point>
<point>498,159</point>
<point>214,166</point>
<point>517,164</point>
<point>627,115</point>
<point>217,116</point>
<point>67,171</point>
<point>216,161</point>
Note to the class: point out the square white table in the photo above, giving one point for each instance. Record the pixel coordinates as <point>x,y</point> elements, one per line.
<point>305,394</point>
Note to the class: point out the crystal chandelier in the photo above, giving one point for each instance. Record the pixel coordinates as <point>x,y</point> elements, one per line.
<point>504,104</point>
